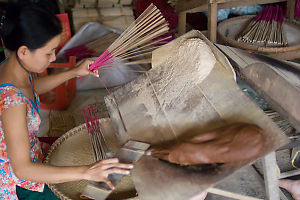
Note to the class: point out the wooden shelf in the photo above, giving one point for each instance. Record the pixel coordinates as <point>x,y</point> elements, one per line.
<point>234,3</point>
<point>212,6</point>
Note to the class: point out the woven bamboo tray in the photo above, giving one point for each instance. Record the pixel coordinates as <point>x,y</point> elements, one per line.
<point>229,29</point>
<point>74,149</point>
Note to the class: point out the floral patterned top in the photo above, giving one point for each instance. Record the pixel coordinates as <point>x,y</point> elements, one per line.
<point>11,96</point>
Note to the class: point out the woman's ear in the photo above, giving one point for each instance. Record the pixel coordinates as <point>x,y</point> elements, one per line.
<point>22,52</point>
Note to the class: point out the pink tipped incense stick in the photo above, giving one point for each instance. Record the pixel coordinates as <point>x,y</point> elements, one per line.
<point>143,36</point>
<point>266,28</point>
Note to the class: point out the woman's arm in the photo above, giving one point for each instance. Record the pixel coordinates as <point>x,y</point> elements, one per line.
<point>18,147</point>
<point>46,83</point>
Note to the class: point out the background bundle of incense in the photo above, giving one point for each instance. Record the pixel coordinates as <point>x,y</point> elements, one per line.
<point>266,29</point>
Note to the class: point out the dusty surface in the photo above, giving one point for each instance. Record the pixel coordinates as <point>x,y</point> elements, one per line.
<point>246,181</point>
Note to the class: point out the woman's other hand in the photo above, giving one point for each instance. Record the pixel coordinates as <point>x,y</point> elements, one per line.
<point>99,171</point>
<point>83,69</point>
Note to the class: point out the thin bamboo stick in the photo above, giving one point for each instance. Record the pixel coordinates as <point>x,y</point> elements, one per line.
<point>144,61</point>
<point>138,34</point>
<point>138,40</point>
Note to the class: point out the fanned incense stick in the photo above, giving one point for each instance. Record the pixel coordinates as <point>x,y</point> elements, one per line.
<point>148,32</point>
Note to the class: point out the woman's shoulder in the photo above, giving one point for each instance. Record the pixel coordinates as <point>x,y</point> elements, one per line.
<point>10,96</point>
<point>8,89</point>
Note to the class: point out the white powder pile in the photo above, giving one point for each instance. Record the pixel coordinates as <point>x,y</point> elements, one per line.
<point>173,83</point>
<point>189,66</point>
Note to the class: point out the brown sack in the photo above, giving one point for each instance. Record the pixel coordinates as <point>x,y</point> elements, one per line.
<point>233,143</point>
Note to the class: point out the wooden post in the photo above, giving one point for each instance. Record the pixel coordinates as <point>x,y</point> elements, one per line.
<point>212,21</point>
<point>290,11</point>
<point>182,23</point>
<point>289,174</point>
<point>230,194</point>
<point>271,181</point>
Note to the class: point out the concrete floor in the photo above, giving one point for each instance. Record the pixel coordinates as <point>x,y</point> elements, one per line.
<point>246,181</point>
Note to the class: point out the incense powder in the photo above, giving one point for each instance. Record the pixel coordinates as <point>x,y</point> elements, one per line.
<point>174,83</point>
<point>189,66</point>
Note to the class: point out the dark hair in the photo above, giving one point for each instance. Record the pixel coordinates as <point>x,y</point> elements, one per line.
<point>28,25</point>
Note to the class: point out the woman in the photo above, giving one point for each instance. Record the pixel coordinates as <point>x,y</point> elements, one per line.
<point>31,34</point>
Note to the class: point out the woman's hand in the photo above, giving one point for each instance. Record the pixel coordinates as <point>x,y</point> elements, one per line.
<point>83,69</point>
<point>99,171</point>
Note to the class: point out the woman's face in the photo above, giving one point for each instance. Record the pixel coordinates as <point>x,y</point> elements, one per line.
<point>39,59</point>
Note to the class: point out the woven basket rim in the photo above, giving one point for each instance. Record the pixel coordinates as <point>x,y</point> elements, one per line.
<point>54,146</point>
<point>251,46</point>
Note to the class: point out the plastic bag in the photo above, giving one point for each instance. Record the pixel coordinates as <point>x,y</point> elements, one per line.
<point>114,76</point>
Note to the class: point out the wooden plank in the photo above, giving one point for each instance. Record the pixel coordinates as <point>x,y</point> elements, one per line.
<point>289,174</point>
<point>212,7</point>
<point>271,181</point>
<point>200,6</point>
<point>212,21</point>
<point>242,1</point>
<point>290,11</point>
<point>184,5</point>
<point>230,194</point>
<point>246,3</point>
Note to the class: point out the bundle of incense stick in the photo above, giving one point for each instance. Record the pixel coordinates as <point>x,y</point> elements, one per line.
<point>97,140</point>
<point>137,42</point>
<point>266,28</point>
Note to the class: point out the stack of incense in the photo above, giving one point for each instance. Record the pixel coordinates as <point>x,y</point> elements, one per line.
<point>266,29</point>
<point>98,143</point>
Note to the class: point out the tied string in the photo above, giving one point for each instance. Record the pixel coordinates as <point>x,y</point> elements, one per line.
<point>103,60</point>
<point>102,82</point>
